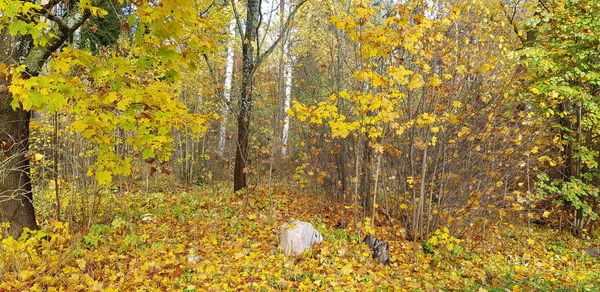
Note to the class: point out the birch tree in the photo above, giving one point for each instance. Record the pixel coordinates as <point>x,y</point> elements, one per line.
<point>252,58</point>
<point>286,65</point>
<point>227,89</point>
<point>287,76</point>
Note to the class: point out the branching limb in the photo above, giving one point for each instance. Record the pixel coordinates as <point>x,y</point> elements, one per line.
<point>238,22</point>
<point>288,23</point>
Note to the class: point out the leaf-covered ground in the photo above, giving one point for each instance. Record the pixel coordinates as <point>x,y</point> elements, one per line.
<point>207,239</point>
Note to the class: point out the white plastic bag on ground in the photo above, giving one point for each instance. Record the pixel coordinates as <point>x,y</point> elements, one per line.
<point>297,236</point>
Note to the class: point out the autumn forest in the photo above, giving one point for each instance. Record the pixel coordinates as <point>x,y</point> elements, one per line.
<point>320,145</point>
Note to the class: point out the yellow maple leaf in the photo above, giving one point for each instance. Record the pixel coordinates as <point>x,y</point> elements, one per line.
<point>378,148</point>
<point>38,157</point>
<point>435,81</point>
<point>416,82</point>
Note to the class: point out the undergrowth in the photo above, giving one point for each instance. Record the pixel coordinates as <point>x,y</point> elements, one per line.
<point>207,238</point>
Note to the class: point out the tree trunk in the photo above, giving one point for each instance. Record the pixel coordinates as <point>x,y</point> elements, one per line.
<point>366,180</point>
<point>16,202</point>
<point>249,65</point>
<point>288,99</point>
<point>227,89</point>
<point>15,183</point>
<point>241,154</point>
<point>16,199</point>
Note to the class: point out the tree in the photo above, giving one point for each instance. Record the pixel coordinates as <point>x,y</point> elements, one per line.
<point>286,62</point>
<point>132,91</point>
<point>250,63</point>
<point>563,87</point>
<point>24,43</point>
<point>434,131</point>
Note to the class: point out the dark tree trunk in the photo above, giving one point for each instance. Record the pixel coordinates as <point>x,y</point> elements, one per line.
<point>241,153</point>
<point>249,65</point>
<point>366,180</point>
<point>16,204</point>
<point>15,183</point>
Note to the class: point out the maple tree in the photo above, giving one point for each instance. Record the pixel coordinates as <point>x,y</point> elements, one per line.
<point>133,90</point>
<point>462,135</point>
<point>563,87</point>
<point>423,104</point>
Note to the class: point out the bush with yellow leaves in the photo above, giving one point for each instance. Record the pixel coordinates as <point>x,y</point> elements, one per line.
<point>442,243</point>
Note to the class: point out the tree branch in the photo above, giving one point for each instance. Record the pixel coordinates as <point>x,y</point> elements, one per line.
<point>511,21</point>
<point>203,13</point>
<point>288,22</point>
<point>63,28</point>
<point>238,22</point>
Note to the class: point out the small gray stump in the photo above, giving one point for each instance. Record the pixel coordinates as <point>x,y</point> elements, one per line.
<point>379,249</point>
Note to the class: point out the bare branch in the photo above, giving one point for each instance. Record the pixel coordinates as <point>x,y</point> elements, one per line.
<point>215,81</point>
<point>288,23</point>
<point>238,22</point>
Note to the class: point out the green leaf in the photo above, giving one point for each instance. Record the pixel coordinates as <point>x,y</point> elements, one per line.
<point>131,19</point>
<point>167,54</point>
<point>145,62</point>
<point>18,27</point>
<point>147,153</point>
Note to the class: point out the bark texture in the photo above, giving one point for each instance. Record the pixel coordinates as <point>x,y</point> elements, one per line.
<point>241,153</point>
<point>16,205</point>
<point>249,65</point>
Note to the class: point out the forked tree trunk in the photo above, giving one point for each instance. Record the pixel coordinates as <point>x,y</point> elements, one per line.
<point>241,154</point>
<point>249,37</point>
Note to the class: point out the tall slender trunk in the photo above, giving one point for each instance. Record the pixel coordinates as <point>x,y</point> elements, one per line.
<point>288,99</point>
<point>241,154</point>
<point>227,89</point>
<point>366,180</point>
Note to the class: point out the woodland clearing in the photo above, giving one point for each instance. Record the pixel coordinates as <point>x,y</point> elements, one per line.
<point>208,239</point>
<point>161,145</point>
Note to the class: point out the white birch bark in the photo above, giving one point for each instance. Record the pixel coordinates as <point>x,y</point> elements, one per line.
<point>288,63</point>
<point>287,75</point>
<point>227,89</point>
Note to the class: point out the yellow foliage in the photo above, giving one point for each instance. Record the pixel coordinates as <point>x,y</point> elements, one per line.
<point>416,82</point>
<point>240,251</point>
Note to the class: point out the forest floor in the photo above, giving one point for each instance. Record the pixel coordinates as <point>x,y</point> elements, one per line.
<point>207,239</point>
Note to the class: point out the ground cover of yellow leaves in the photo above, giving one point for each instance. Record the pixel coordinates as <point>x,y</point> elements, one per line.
<point>206,239</point>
